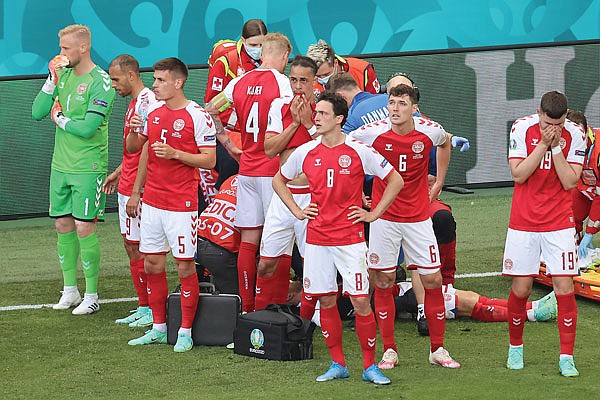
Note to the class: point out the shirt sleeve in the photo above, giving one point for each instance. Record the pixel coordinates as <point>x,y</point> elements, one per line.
<point>576,153</point>
<point>204,128</point>
<point>275,121</point>
<point>102,95</point>
<point>293,166</point>
<point>517,147</point>
<point>373,162</point>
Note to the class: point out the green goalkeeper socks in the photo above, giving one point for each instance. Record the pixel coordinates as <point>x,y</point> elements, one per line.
<point>90,262</point>
<point>67,247</point>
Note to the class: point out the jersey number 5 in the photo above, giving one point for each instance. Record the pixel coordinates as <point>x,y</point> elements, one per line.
<point>163,135</point>
<point>252,121</point>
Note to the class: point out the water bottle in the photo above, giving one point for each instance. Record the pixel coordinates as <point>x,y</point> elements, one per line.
<point>143,111</point>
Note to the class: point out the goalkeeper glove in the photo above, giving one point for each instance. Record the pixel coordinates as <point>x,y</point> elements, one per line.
<point>462,142</point>
<point>584,245</point>
<point>57,115</point>
<point>54,67</point>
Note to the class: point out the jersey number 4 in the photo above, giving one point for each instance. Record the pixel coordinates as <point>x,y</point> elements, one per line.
<point>252,122</point>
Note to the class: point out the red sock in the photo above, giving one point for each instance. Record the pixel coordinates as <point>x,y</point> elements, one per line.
<point>138,276</point>
<point>487,313</point>
<point>385,311</point>
<point>567,321</point>
<point>448,261</point>
<point>264,292</point>
<point>331,327</point>
<point>189,300</point>
<point>281,284</point>
<point>435,312</point>
<point>366,330</point>
<point>307,305</point>
<point>517,315</point>
<point>158,289</point>
<point>247,274</point>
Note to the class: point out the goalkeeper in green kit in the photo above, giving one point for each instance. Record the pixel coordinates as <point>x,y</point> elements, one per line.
<point>79,97</point>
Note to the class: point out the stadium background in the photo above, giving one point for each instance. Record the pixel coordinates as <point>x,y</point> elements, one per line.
<point>485,64</point>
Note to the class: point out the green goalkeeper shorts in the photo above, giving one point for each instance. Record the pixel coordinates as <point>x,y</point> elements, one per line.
<point>78,195</point>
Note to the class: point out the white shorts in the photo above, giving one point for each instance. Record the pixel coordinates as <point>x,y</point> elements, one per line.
<point>163,230</point>
<point>417,239</point>
<point>450,301</point>
<point>130,227</point>
<point>254,194</point>
<point>524,250</point>
<point>281,226</point>
<point>322,263</point>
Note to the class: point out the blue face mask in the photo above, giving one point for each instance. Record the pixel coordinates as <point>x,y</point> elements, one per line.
<point>253,52</point>
<point>323,81</point>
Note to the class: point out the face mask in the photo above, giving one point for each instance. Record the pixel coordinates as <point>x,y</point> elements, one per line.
<point>253,52</point>
<point>323,81</point>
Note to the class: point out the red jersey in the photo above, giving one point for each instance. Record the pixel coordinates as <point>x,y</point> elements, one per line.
<point>208,180</point>
<point>252,95</point>
<point>234,63</point>
<point>362,71</point>
<point>541,204</point>
<point>280,117</point>
<point>409,154</point>
<point>170,184</point>
<point>217,221</point>
<point>129,166</point>
<point>335,178</point>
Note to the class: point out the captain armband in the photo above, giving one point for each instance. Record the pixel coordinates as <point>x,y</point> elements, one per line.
<point>221,102</point>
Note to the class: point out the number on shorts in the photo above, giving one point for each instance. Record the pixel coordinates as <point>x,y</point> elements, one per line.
<point>252,122</point>
<point>128,225</point>
<point>330,174</point>
<point>569,261</point>
<point>433,253</point>
<point>359,281</point>
<point>402,163</point>
<point>87,206</point>
<point>180,241</point>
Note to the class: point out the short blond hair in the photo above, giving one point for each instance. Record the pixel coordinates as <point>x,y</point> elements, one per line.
<point>321,52</point>
<point>276,43</point>
<point>83,33</point>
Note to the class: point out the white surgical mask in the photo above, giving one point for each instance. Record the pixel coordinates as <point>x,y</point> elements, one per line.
<point>253,52</point>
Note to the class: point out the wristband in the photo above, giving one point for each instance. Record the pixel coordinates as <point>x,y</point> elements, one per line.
<point>312,130</point>
<point>49,86</point>
<point>61,121</point>
<point>556,150</point>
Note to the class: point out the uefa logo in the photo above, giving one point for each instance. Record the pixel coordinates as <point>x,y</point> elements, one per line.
<point>257,338</point>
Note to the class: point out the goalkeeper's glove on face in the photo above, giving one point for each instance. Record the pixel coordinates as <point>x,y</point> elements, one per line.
<point>54,67</point>
<point>57,115</point>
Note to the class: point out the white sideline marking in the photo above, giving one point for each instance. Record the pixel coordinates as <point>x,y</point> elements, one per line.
<point>125,299</point>
<point>34,306</point>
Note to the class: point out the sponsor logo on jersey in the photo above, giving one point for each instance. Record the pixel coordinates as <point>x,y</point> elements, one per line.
<point>508,264</point>
<point>383,163</point>
<point>317,162</point>
<point>388,147</point>
<point>81,88</point>
<point>188,203</point>
<point>344,161</point>
<point>418,147</point>
<point>176,134</point>
<point>579,152</point>
<point>156,120</point>
<point>209,138</point>
<point>178,124</point>
<point>101,103</point>
<point>217,84</point>
<point>534,141</point>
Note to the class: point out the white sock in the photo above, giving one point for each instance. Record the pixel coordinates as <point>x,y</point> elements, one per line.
<point>69,289</point>
<point>531,315</point>
<point>160,327</point>
<point>187,331</point>
<point>568,356</point>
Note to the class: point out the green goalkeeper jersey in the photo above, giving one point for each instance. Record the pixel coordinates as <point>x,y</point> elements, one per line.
<point>79,95</point>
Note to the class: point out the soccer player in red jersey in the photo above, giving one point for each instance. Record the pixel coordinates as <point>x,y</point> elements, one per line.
<point>290,125</point>
<point>545,156</point>
<point>407,142</point>
<point>129,176</point>
<point>252,95</point>
<point>335,166</point>
<point>181,137</point>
